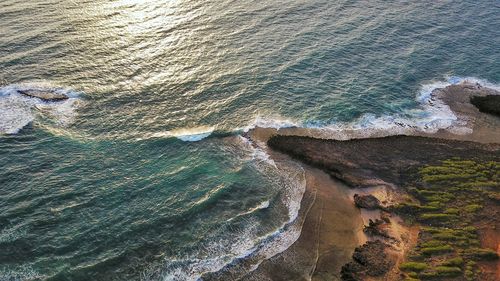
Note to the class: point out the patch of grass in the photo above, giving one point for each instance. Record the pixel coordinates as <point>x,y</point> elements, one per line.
<point>413,266</point>
<point>413,275</point>
<point>472,208</point>
<point>451,211</point>
<point>469,275</point>
<point>437,250</point>
<point>470,228</point>
<point>448,271</point>
<point>437,217</point>
<point>433,243</point>
<point>471,263</point>
<point>447,199</point>
<point>458,261</point>
<point>481,254</point>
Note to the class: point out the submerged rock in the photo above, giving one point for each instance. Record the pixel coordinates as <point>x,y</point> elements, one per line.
<point>487,104</point>
<point>44,95</point>
<point>366,201</point>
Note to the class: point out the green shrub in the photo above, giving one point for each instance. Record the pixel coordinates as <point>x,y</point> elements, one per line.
<point>433,230</point>
<point>434,204</point>
<point>407,208</point>
<point>437,217</point>
<point>438,198</point>
<point>482,254</point>
<point>451,211</point>
<point>471,263</point>
<point>469,275</point>
<point>432,243</point>
<point>436,250</point>
<point>470,229</point>
<point>428,275</point>
<point>458,261</point>
<point>448,271</point>
<point>447,236</point>
<point>473,243</point>
<point>428,208</point>
<point>413,275</point>
<point>472,208</point>
<point>413,266</point>
<point>424,192</point>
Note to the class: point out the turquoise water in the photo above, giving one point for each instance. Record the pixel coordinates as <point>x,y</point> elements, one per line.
<point>109,185</point>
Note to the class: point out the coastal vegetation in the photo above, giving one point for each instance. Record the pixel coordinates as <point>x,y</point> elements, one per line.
<point>447,200</point>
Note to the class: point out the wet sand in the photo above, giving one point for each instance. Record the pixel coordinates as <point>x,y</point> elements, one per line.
<point>332,229</point>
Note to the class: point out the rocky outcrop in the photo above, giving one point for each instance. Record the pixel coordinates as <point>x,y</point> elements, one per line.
<point>369,202</point>
<point>378,161</point>
<point>487,104</point>
<point>377,228</point>
<point>44,95</point>
<point>369,259</point>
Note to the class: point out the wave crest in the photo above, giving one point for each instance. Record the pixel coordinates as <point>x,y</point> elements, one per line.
<point>193,134</point>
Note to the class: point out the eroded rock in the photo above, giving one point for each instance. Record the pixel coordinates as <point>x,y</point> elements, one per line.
<point>369,259</point>
<point>487,104</point>
<point>366,201</point>
<point>44,95</point>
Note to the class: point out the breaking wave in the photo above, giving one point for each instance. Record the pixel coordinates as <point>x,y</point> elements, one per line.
<point>185,134</point>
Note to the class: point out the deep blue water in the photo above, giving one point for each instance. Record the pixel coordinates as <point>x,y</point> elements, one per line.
<point>109,186</point>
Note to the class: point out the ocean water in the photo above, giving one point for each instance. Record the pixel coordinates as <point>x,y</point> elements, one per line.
<point>142,173</point>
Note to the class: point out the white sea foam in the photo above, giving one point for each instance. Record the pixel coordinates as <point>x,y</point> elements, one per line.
<point>17,110</point>
<point>291,177</point>
<point>11,233</point>
<point>262,205</point>
<point>273,121</point>
<point>185,134</point>
<point>19,273</point>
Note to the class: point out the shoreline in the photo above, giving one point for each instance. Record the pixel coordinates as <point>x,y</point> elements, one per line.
<point>482,133</point>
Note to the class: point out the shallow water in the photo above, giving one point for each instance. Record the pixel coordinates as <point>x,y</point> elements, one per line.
<point>142,173</point>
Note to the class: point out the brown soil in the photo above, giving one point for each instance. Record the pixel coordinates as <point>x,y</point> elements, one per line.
<point>489,234</point>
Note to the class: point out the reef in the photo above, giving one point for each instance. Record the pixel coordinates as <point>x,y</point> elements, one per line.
<point>44,95</point>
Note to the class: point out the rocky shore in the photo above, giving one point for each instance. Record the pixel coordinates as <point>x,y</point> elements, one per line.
<point>414,195</point>
<point>390,163</point>
<point>47,96</point>
<point>488,104</point>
